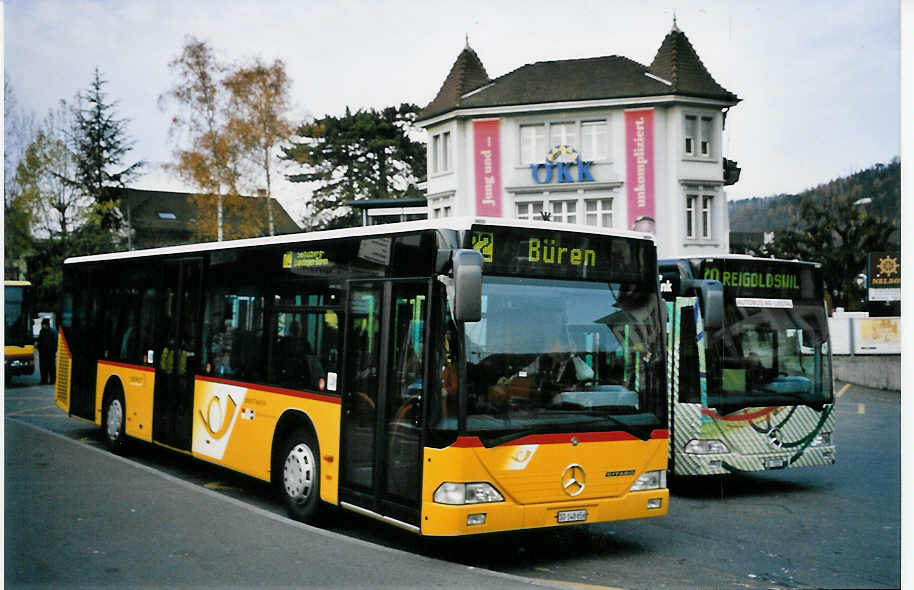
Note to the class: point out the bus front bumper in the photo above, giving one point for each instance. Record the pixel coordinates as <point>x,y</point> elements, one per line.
<point>444,520</point>
<point>718,464</point>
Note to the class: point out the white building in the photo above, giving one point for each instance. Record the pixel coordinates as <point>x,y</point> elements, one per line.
<point>597,141</point>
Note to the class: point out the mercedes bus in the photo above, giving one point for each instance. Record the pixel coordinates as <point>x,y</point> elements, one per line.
<point>749,368</point>
<point>449,376</point>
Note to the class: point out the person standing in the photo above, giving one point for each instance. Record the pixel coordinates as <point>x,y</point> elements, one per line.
<point>47,351</point>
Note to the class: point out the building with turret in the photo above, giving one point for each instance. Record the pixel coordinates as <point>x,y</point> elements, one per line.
<point>600,141</point>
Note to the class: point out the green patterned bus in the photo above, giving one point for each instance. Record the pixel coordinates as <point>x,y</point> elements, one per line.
<point>749,369</point>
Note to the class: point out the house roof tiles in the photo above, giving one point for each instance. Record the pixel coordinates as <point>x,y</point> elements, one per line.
<point>595,78</point>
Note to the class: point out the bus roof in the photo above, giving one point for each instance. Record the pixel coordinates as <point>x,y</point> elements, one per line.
<point>381,230</point>
<point>735,257</point>
<point>16,284</point>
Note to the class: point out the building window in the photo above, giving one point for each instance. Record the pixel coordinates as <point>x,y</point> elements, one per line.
<point>698,134</point>
<point>440,153</point>
<point>598,212</point>
<point>532,143</point>
<point>705,144</point>
<point>530,211</point>
<point>563,134</point>
<point>595,140</point>
<point>698,216</point>
<point>690,131</point>
<point>445,159</point>
<point>706,216</point>
<point>565,211</point>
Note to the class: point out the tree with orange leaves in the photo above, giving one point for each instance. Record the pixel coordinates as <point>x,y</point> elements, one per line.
<point>233,120</point>
<point>259,99</point>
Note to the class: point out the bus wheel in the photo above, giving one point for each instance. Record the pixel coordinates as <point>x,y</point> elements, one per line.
<point>300,475</point>
<point>113,423</point>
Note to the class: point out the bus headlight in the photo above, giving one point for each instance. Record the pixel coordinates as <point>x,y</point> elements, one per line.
<point>823,439</point>
<point>650,480</point>
<point>698,446</point>
<point>466,493</point>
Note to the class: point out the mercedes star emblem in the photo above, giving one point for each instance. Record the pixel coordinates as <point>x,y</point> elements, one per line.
<point>574,479</point>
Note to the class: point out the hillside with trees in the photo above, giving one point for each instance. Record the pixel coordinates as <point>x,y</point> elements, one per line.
<point>835,224</point>
<point>881,183</point>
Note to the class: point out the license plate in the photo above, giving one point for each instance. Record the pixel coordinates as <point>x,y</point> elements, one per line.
<point>775,463</point>
<point>572,515</point>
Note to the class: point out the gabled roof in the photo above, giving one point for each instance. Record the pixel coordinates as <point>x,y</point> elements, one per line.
<point>608,77</point>
<point>166,213</point>
<point>677,62</point>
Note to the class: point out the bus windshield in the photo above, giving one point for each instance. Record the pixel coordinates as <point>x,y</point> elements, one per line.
<point>16,314</point>
<point>564,356</point>
<point>772,355</point>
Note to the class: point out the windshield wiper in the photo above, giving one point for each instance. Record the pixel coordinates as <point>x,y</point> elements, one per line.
<point>639,431</point>
<point>763,399</point>
<point>509,436</point>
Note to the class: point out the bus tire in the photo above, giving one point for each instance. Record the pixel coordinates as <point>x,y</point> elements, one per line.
<point>113,420</point>
<point>299,476</point>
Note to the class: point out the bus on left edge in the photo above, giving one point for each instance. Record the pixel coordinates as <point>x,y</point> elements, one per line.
<point>448,377</point>
<point>19,343</point>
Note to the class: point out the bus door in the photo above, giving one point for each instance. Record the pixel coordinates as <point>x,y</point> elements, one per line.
<point>382,401</point>
<point>177,353</point>
<point>88,306</point>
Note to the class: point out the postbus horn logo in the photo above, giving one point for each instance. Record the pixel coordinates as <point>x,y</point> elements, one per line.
<point>216,420</point>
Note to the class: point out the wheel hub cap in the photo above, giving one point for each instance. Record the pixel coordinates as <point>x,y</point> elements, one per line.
<point>298,473</point>
<point>115,418</point>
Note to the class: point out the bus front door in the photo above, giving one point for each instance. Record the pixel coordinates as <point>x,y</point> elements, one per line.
<point>178,346</point>
<point>382,400</point>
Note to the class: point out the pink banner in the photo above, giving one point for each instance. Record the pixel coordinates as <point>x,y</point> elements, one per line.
<point>487,157</point>
<point>639,168</point>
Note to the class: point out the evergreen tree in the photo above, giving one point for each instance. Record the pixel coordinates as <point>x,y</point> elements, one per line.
<point>100,145</point>
<point>368,154</point>
<point>838,234</point>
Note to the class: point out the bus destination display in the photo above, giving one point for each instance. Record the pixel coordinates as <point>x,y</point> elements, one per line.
<point>761,279</point>
<point>561,254</point>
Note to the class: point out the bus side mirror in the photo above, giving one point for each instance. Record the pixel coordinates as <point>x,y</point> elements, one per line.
<point>712,299</point>
<point>467,285</point>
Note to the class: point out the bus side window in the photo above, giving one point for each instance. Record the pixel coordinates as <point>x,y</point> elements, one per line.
<point>145,339</point>
<point>233,335</point>
<point>304,348</point>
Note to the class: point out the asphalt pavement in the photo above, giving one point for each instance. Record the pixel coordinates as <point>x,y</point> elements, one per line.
<point>76,515</point>
<point>79,516</point>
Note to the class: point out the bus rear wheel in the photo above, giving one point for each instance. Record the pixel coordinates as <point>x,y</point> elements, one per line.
<point>113,424</point>
<point>299,480</point>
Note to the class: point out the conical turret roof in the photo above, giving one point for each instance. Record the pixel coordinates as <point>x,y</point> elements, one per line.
<point>677,62</point>
<point>467,74</point>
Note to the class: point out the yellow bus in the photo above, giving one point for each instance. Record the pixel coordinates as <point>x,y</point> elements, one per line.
<point>19,343</point>
<point>449,377</point>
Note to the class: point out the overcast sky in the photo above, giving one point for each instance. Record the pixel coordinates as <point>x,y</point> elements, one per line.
<point>819,80</point>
